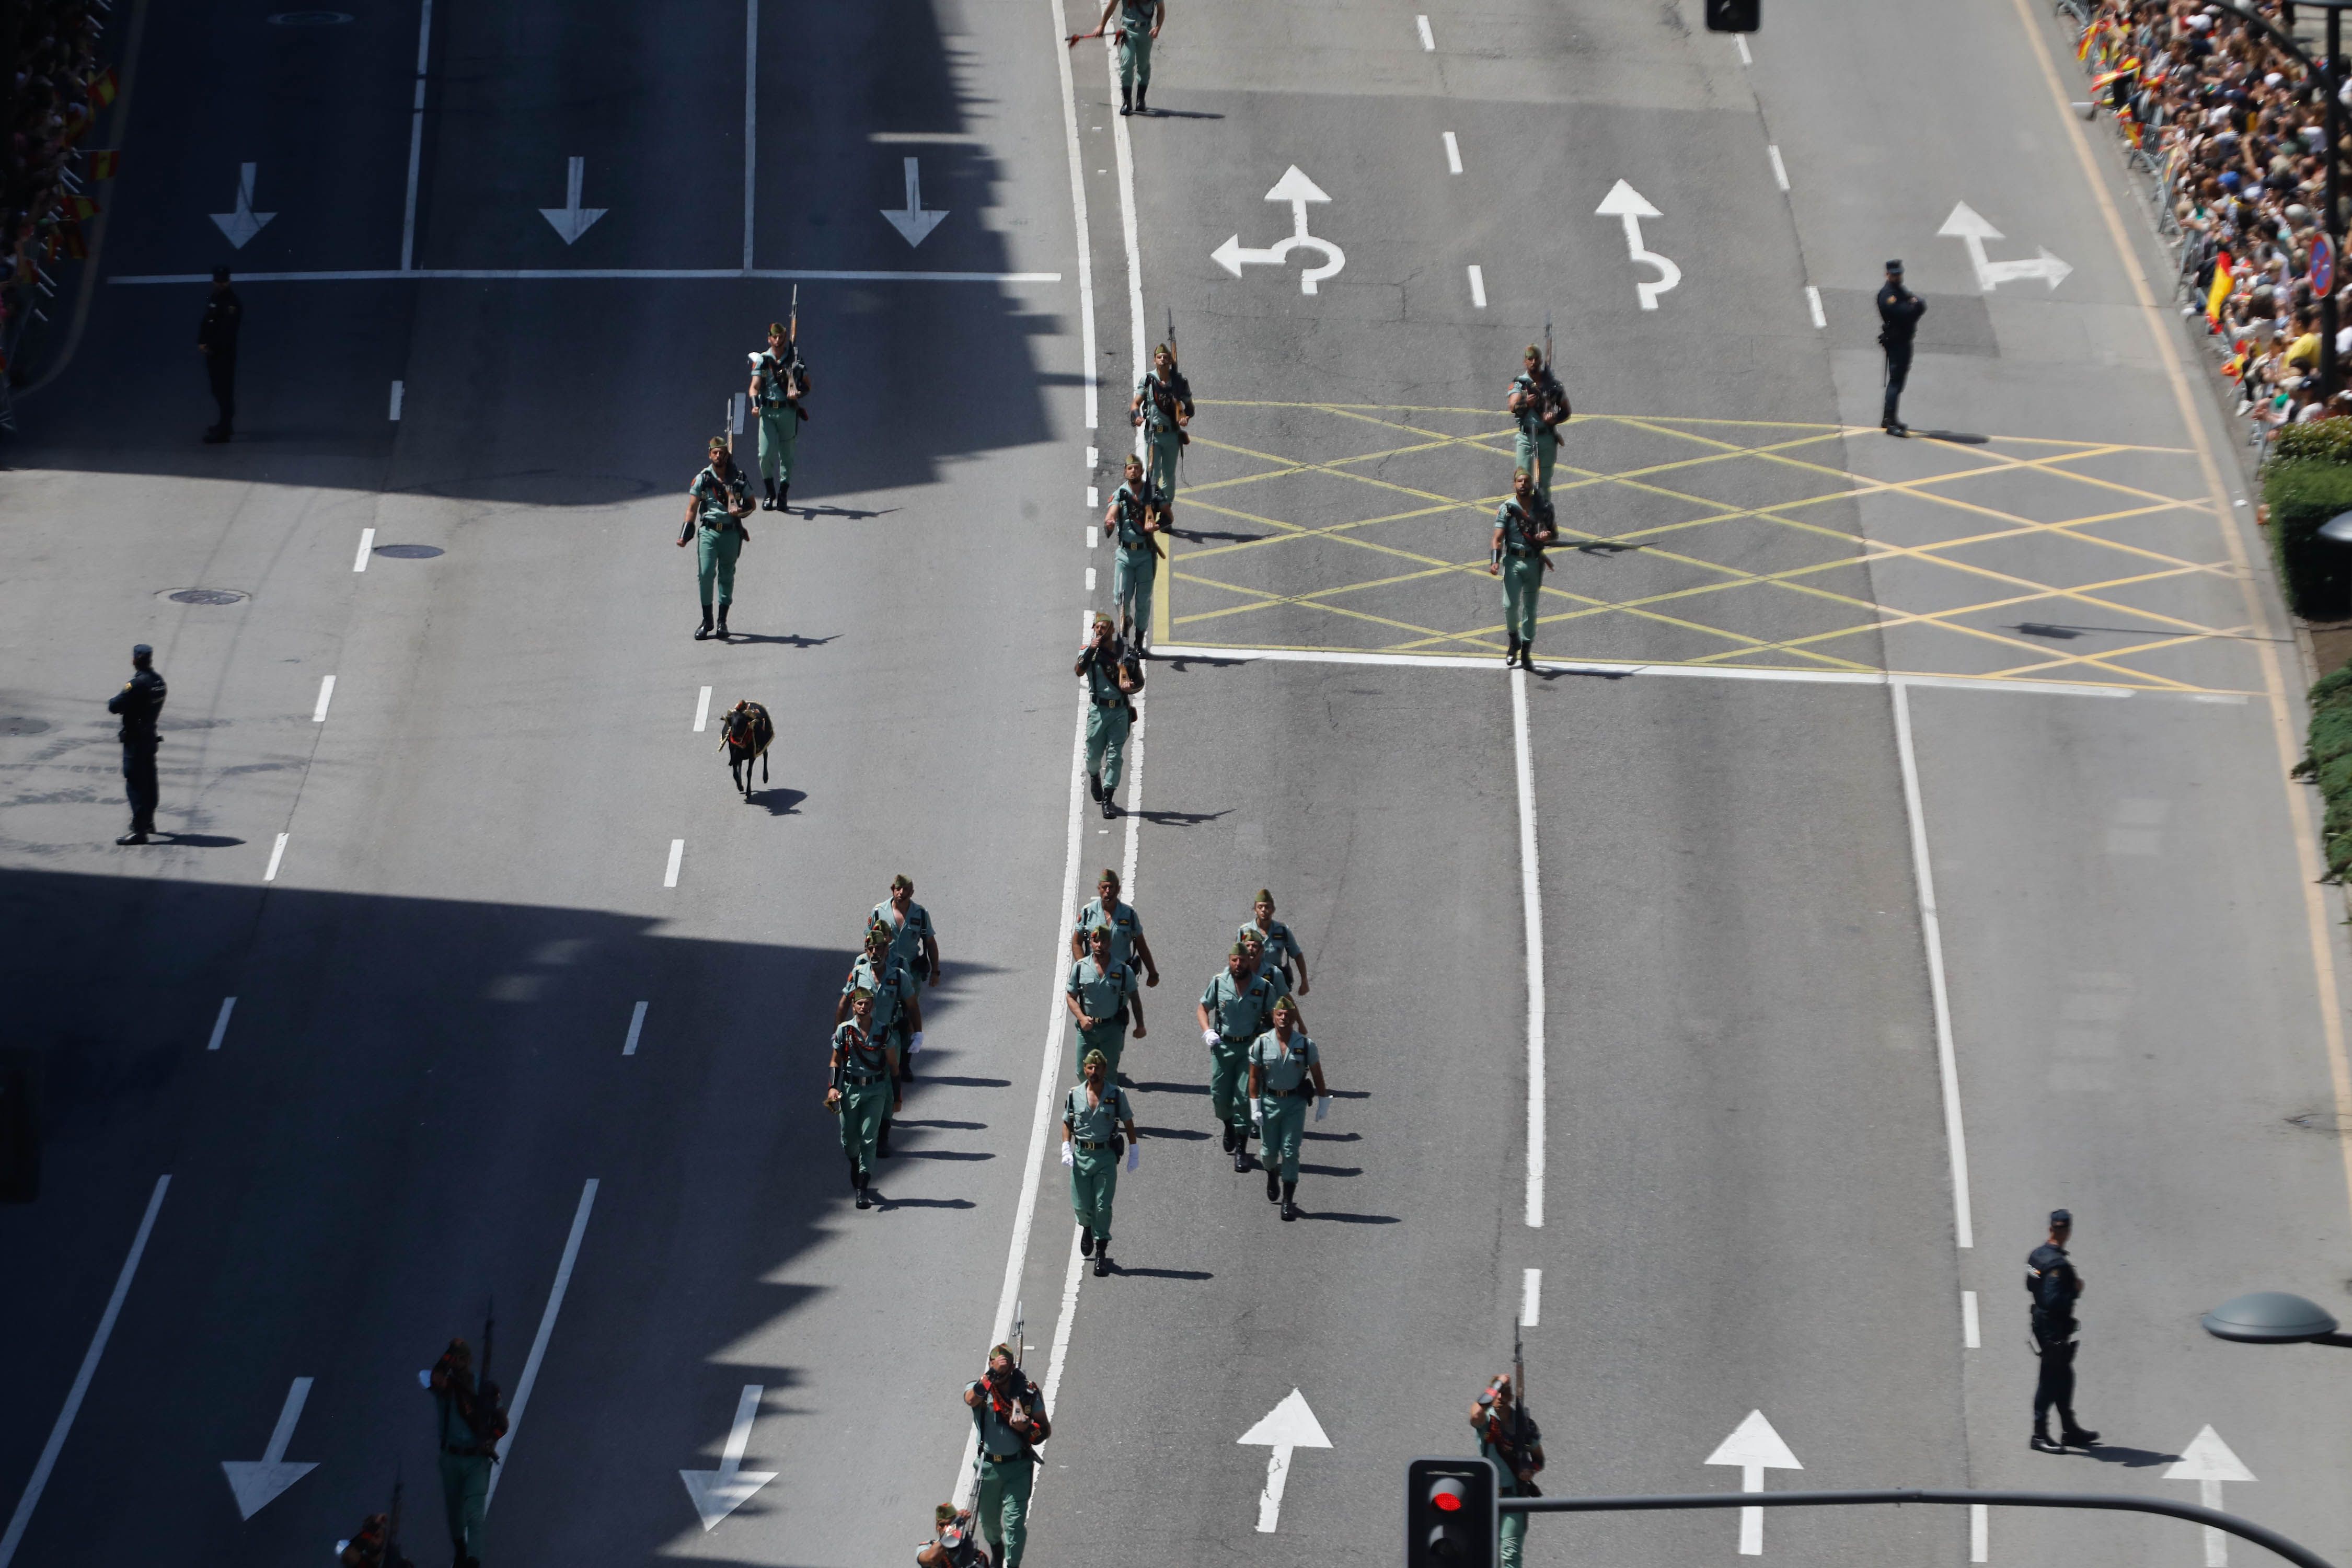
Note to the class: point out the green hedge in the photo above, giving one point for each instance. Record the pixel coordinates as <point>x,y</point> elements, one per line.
<point>2328,764</point>
<point>2303,492</point>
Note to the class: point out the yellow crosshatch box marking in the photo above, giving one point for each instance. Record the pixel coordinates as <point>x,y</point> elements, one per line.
<point>1363,528</point>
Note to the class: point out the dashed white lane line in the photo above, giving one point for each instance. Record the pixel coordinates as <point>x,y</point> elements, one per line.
<point>1090,579</point>
<point>546,1331</point>
<point>702,712</point>
<point>1814,303</point>
<point>1479,288</point>
<point>1094,455</point>
<point>1780,170</point>
<point>277,854</point>
<point>1745,57</point>
<point>1969,1336</point>
<point>1094,537</point>
<point>220,1025</point>
<point>326,695</point>
<point>1531,898</point>
<point>1932,934</point>
<point>637,1027</point>
<point>1094,497</point>
<point>1979,1532</point>
<point>49,1460</point>
<point>1428,39</point>
<point>367,547</point>
<point>1453,154</point>
<point>1530,1299</point>
<point>399,390</point>
<point>677,853</point>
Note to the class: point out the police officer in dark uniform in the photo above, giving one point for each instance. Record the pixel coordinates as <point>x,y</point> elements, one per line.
<point>1899,310</point>
<point>2053,1285</point>
<point>139,703</point>
<point>216,340</point>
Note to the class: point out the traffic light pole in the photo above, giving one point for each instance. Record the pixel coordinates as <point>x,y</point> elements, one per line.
<point>2245,1529</point>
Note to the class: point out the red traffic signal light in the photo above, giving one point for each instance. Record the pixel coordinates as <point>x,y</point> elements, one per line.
<point>1450,1518</point>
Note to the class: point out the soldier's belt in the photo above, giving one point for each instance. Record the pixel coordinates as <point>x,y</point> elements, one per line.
<point>1109,702</point>
<point>1282,1093</point>
<point>859,1080</point>
<point>1089,1143</point>
<point>1237,1039</point>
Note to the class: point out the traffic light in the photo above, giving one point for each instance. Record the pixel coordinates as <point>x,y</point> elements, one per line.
<point>1450,1519</point>
<point>1734,16</point>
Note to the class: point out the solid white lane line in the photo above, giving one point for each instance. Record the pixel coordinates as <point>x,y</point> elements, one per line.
<point>750,118</point>
<point>637,1027</point>
<point>1428,39</point>
<point>1142,365</point>
<point>1133,771</point>
<point>1479,288</point>
<point>326,695</point>
<point>1531,1298</point>
<point>1079,213</point>
<point>702,712</point>
<point>677,853</point>
<point>1531,899</point>
<point>1745,57</point>
<point>367,545</point>
<point>399,390</point>
<point>1453,154</point>
<point>1814,303</point>
<point>1980,1533</point>
<point>604,274</point>
<point>220,1025</point>
<point>74,1396</point>
<point>1931,933</point>
<point>1061,1352</point>
<point>1969,1336</point>
<point>1780,170</point>
<point>277,854</point>
<point>546,1331</point>
<point>415,140</point>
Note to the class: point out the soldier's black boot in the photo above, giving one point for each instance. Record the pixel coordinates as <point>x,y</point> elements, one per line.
<point>1528,656</point>
<point>1126,100</point>
<point>767,501</point>
<point>1085,1241</point>
<point>721,633</point>
<point>1273,1184</point>
<point>1102,1258</point>
<point>2076,1437</point>
<point>133,837</point>
<point>1142,92</point>
<point>1512,658</point>
<point>1241,1152</point>
<point>1289,1200</point>
<point>1094,785</point>
<point>2040,1443</point>
<point>882,1142</point>
<point>1229,1139</point>
<point>1109,808</point>
<point>703,630</point>
<point>784,496</point>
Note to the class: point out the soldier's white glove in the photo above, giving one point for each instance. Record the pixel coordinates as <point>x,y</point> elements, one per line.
<point>1209,1038</point>
<point>1067,1158</point>
<point>1255,1119</point>
<point>915,1042</point>
<point>1134,1155</point>
<point>1322,1104</point>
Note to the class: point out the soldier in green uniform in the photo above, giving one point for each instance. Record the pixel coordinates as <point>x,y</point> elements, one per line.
<point>865,1088</point>
<point>1100,994</point>
<point>1276,975</point>
<point>879,972</point>
<point>914,939</point>
<point>1280,1063</point>
<point>1135,519</point>
<point>716,505</point>
<point>1110,680</point>
<point>1138,25</point>
<point>1126,928</point>
<point>1538,402</point>
<point>1512,1443</point>
<point>1235,1009</point>
<point>1161,408</point>
<point>1090,1121</point>
<point>779,379</point>
<point>1523,527</point>
<point>1009,1415</point>
<point>468,1427</point>
<point>1282,948</point>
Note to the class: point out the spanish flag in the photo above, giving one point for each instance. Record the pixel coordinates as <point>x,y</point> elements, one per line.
<point>105,165</point>
<point>79,207</point>
<point>102,87</point>
<point>2221,289</point>
<point>2083,48</point>
<point>76,248</point>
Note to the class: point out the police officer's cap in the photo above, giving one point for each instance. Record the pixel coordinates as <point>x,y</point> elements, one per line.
<point>1895,267</point>
<point>2062,1216</point>
<point>140,650</point>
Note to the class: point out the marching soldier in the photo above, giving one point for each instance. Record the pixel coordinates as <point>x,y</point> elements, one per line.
<point>141,705</point>
<point>1276,978</point>
<point>1281,947</point>
<point>914,938</point>
<point>1126,928</point>
<point>1111,678</point>
<point>1514,1444</point>
<point>1280,1063</point>
<point>469,1424</point>
<point>2053,1286</point>
<point>1538,402</point>
<point>880,973</point>
<point>779,379</point>
<point>716,505</point>
<point>1523,527</point>
<point>216,340</point>
<point>1136,518</point>
<point>1138,25</point>
<point>1090,1119</point>
<point>1010,1416</point>
<point>1161,408</point>
<point>864,1089</point>
<point>953,1543</point>
<point>1236,1008</point>
<point>1100,994</point>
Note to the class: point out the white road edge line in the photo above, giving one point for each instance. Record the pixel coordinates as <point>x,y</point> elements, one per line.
<point>1780,170</point>
<point>546,1331</point>
<point>702,712</point>
<point>326,695</point>
<point>637,1027</point>
<point>277,855</point>
<point>1814,303</point>
<point>415,140</point>
<point>1531,1298</point>
<point>399,391</point>
<point>220,1025</point>
<point>677,854</point>
<point>1453,154</point>
<point>751,117</point>
<point>49,1460</point>
<point>1142,365</point>
<point>1745,57</point>
<point>1980,1533</point>
<point>1478,287</point>
<point>1428,39</point>
<point>1079,213</point>
<point>1971,1338</point>
<point>1932,935</point>
<point>367,546</point>
<point>1531,896</point>
<point>1131,769</point>
<point>1053,1363</point>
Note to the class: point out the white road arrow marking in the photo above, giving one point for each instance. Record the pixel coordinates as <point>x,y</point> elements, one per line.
<point>1969,228</point>
<point>1628,205</point>
<point>1297,190</point>
<point>245,222</point>
<point>1755,1448</point>
<point>914,224</point>
<point>258,1484</point>
<point>719,1492</point>
<point>2208,1462</point>
<point>572,220</point>
<point>1290,1425</point>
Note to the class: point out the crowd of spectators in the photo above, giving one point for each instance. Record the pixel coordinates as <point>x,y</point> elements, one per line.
<point>58,86</point>
<point>2236,131</point>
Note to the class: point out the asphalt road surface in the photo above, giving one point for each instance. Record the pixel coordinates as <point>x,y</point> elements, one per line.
<point>1896,845</point>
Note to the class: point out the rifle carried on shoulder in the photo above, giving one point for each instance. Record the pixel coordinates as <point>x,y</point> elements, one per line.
<point>1519,1424</point>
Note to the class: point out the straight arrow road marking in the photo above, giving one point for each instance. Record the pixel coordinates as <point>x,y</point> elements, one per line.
<point>1755,1448</point>
<point>913,224</point>
<point>2208,1462</point>
<point>572,220</point>
<point>1290,1425</point>
<point>1967,225</point>
<point>719,1492</point>
<point>1629,206</point>
<point>256,1485</point>
<point>242,223</point>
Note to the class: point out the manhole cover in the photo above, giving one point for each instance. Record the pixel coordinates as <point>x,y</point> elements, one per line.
<point>19,725</point>
<point>409,552</point>
<point>205,596</point>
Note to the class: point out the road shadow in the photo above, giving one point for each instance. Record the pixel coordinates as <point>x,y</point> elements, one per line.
<point>1349,1218</point>
<point>1331,1170</point>
<point>1182,1134</point>
<point>1170,1087</point>
<point>781,802</point>
<point>943,1126</point>
<point>197,841</point>
<point>1119,1267</point>
<point>2130,1458</point>
<point>1182,818</point>
<point>938,1153</point>
<point>786,640</point>
<point>966,1082</point>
